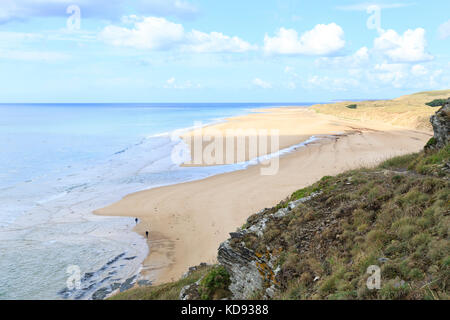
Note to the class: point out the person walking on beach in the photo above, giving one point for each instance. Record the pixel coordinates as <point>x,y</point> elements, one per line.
<point>136,220</point>
<point>146,234</point>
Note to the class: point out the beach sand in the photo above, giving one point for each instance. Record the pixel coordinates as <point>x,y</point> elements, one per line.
<point>188,221</point>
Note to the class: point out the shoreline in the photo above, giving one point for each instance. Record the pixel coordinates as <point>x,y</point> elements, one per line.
<point>188,221</point>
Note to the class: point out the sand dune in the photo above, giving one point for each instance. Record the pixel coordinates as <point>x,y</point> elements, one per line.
<point>407,111</point>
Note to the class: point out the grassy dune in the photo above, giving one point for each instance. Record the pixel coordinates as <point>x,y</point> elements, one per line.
<point>408,111</point>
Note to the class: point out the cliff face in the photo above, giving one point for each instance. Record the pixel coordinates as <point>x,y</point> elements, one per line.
<point>254,270</point>
<point>441,126</point>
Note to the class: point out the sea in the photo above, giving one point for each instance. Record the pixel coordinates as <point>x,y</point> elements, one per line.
<point>60,162</point>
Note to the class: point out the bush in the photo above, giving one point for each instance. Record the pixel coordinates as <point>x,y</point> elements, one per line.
<point>352,106</point>
<point>431,143</point>
<point>215,284</point>
<point>437,103</point>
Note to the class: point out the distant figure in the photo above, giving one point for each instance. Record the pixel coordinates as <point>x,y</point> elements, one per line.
<point>146,234</point>
<point>136,220</point>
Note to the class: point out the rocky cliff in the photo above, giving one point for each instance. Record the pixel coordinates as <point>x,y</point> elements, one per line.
<point>441,126</point>
<point>252,269</point>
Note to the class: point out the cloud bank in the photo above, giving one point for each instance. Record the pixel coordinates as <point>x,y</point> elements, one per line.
<point>409,47</point>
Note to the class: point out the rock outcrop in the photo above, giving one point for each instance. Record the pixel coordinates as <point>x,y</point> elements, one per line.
<point>441,126</point>
<point>191,292</point>
<point>250,270</point>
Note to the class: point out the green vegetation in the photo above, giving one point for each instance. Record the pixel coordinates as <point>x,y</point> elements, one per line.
<point>215,284</point>
<point>437,103</point>
<point>432,142</point>
<point>352,106</point>
<point>396,215</point>
<point>169,291</point>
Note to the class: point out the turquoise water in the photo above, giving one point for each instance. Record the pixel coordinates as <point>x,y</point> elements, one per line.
<point>58,163</point>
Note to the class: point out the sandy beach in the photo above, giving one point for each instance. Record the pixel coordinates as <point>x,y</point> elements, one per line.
<point>188,221</point>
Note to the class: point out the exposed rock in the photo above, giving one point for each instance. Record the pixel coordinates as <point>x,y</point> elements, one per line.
<point>128,284</point>
<point>383,260</point>
<point>101,294</point>
<point>241,264</point>
<point>144,283</point>
<point>235,235</point>
<point>192,269</point>
<point>441,126</point>
<point>190,292</point>
<point>250,271</point>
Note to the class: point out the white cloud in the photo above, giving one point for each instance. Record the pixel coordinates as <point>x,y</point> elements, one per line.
<point>357,59</point>
<point>160,34</point>
<point>444,30</point>
<point>215,42</point>
<point>390,73</point>
<point>384,75</point>
<point>150,33</point>
<point>419,70</point>
<point>331,84</point>
<point>362,54</point>
<point>172,83</point>
<point>409,47</point>
<point>364,6</point>
<point>262,84</point>
<point>404,76</point>
<point>321,40</point>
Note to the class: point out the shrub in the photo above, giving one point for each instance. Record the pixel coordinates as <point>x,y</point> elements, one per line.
<point>352,106</point>
<point>215,284</point>
<point>432,142</point>
<point>437,103</point>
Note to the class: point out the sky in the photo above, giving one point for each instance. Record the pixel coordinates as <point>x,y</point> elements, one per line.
<point>221,51</point>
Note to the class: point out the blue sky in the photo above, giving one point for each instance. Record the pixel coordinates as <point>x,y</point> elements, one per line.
<point>221,51</point>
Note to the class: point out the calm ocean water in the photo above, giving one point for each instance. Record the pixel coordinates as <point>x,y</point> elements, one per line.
<point>59,162</point>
